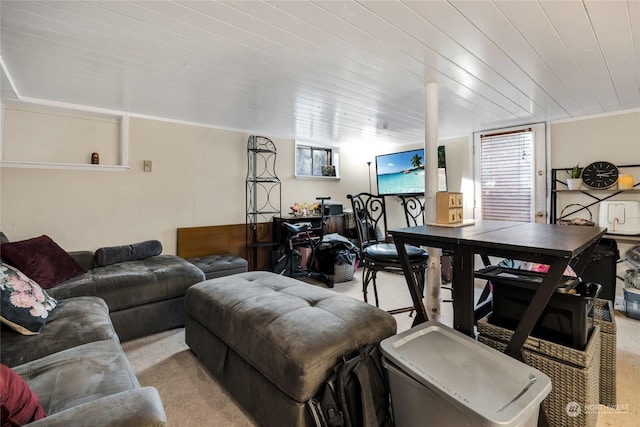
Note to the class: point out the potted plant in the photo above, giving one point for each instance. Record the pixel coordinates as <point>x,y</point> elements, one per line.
<point>574,182</point>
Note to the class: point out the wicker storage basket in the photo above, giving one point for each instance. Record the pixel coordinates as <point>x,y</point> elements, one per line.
<point>573,401</point>
<point>604,317</point>
<point>343,272</point>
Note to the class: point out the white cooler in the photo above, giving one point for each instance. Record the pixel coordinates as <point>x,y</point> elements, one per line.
<point>442,378</point>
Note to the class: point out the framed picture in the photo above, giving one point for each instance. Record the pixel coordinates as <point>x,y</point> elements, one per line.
<point>329,170</point>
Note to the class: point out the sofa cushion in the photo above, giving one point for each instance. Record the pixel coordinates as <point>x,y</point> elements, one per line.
<point>133,283</point>
<point>19,405</point>
<point>220,265</point>
<point>290,331</point>
<point>137,251</point>
<point>42,260</point>
<point>25,306</point>
<point>78,375</point>
<point>75,321</point>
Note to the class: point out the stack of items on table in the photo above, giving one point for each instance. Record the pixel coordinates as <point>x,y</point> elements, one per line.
<point>573,342</point>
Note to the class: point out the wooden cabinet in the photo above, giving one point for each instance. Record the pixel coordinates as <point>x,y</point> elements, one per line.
<point>448,207</point>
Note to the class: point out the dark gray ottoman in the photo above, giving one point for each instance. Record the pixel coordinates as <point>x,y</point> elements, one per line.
<point>272,340</point>
<point>215,266</point>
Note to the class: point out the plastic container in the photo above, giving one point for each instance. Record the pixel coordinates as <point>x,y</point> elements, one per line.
<point>441,377</point>
<point>565,319</point>
<point>632,279</point>
<point>632,303</point>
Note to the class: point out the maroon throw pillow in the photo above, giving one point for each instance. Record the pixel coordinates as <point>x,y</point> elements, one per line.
<point>19,405</point>
<point>41,260</point>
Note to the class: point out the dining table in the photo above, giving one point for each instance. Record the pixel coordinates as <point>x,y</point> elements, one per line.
<point>554,245</point>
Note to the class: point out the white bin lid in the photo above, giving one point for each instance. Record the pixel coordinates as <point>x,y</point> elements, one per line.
<point>474,377</point>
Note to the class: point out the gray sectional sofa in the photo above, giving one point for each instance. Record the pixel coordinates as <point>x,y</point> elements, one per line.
<point>143,289</point>
<point>74,363</point>
<point>79,372</point>
<point>144,296</point>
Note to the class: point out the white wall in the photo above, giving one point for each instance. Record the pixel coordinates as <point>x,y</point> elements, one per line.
<point>198,179</point>
<point>199,173</point>
<point>614,138</point>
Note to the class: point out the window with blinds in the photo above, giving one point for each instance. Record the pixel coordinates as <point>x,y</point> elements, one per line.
<point>506,175</point>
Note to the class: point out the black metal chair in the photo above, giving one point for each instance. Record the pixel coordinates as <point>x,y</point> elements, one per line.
<point>413,205</point>
<point>379,253</point>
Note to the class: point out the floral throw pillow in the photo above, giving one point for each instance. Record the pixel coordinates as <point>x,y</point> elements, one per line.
<point>25,305</point>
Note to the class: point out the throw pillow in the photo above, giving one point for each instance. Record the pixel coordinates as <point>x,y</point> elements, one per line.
<point>133,252</point>
<point>42,260</point>
<point>25,305</point>
<point>19,405</point>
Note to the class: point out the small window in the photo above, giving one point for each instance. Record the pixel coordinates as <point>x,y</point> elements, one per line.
<point>316,161</point>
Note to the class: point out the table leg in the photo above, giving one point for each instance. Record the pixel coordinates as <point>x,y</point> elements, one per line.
<point>414,288</point>
<point>585,256</point>
<point>463,295</point>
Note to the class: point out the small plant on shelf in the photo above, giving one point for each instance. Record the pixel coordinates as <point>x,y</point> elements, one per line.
<point>576,172</point>
<point>575,177</point>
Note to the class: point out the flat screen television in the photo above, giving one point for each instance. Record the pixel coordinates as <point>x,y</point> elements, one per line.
<point>400,173</point>
<point>403,172</point>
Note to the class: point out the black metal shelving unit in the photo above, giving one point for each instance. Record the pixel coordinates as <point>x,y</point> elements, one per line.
<point>594,196</point>
<point>602,266</point>
<point>263,195</point>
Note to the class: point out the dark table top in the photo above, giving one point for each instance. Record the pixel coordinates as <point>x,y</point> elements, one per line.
<point>563,241</point>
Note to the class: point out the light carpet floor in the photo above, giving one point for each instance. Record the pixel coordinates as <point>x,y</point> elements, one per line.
<point>192,397</point>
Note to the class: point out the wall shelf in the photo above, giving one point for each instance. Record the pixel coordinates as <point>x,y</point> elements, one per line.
<point>597,191</point>
<point>63,166</point>
<point>108,129</point>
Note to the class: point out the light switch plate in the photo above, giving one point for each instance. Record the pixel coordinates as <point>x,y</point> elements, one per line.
<point>147,166</point>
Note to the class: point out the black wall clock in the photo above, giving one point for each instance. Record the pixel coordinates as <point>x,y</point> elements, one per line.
<point>600,175</point>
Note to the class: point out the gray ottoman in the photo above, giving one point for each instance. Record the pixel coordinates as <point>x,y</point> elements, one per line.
<point>219,265</point>
<point>272,340</point>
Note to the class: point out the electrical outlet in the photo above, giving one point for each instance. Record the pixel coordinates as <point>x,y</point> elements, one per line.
<point>147,166</point>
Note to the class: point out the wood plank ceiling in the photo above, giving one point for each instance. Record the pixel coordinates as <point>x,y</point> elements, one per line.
<point>338,71</point>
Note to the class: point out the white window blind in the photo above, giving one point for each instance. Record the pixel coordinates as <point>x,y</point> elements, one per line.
<point>506,165</point>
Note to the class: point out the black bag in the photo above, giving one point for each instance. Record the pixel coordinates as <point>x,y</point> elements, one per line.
<point>356,394</point>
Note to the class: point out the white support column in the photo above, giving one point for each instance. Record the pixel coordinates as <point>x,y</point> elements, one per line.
<point>434,279</point>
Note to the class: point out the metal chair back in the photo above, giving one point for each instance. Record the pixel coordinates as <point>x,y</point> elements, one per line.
<point>370,214</point>
<point>413,205</point>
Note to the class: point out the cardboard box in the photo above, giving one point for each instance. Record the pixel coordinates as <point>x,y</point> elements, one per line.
<point>448,207</point>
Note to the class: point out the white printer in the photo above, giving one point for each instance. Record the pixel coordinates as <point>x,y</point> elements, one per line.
<point>620,216</point>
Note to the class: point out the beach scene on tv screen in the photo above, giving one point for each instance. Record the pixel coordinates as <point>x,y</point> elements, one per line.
<point>401,173</point>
